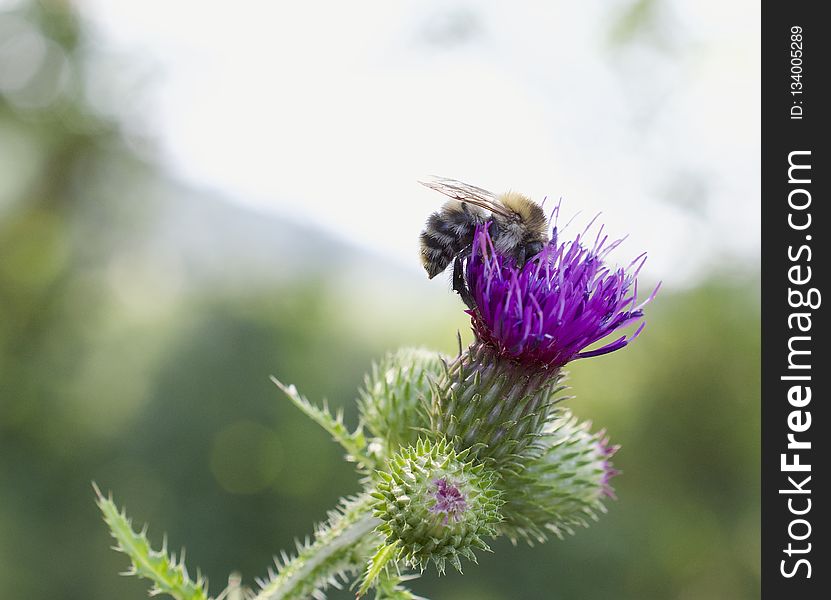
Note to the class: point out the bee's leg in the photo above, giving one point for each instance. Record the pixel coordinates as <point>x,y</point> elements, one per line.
<point>520,256</point>
<point>459,285</point>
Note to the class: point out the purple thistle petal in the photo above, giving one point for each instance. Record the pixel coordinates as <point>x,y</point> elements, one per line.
<point>616,345</point>
<point>449,500</point>
<point>557,304</point>
<point>606,451</point>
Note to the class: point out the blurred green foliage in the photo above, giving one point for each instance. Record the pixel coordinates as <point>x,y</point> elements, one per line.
<point>115,368</point>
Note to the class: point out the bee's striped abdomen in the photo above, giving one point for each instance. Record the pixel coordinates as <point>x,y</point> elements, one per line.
<point>447,233</point>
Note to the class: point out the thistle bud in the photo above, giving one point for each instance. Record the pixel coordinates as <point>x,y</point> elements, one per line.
<point>393,403</point>
<point>564,487</point>
<point>436,505</point>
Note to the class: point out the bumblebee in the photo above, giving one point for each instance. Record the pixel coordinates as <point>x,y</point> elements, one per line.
<point>518,228</point>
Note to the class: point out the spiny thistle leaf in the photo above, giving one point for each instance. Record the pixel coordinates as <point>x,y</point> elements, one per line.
<point>353,443</point>
<point>389,587</point>
<point>378,562</point>
<point>339,550</point>
<point>168,574</point>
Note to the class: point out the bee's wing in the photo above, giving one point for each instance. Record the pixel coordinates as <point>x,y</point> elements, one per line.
<point>464,192</point>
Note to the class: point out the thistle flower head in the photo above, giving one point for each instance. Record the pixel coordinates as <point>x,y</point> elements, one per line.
<point>547,312</point>
<point>436,505</point>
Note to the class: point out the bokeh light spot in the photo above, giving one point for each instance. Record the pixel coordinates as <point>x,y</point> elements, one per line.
<point>246,457</point>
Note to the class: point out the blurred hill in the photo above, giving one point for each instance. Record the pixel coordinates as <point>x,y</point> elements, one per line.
<point>220,233</point>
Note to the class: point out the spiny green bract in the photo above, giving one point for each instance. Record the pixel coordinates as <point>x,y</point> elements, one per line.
<point>561,489</point>
<point>393,400</point>
<point>436,505</point>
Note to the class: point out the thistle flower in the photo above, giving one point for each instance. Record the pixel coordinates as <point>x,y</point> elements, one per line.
<point>547,312</point>
<point>529,322</point>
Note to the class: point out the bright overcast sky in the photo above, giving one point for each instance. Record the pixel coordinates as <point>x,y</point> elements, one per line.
<point>329,111</point>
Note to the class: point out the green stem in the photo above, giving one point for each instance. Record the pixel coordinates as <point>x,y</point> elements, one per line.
<point>341,547</point>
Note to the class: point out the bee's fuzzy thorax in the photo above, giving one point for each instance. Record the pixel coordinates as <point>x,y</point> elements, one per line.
<point>529,211</point>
